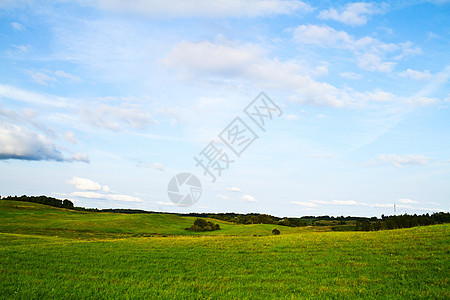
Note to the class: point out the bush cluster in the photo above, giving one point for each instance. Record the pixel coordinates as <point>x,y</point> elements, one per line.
<point>42,200</point>
<point>402,221</point>
<point>203,225</point>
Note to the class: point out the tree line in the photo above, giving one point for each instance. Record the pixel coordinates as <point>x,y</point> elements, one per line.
<point>42,200</point>
<point>360,223</point>
<point>402,221</point>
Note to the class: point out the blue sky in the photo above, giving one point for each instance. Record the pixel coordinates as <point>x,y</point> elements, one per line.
<point>103,102</point>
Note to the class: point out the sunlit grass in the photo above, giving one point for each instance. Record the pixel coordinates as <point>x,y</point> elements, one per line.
<point>408,263</point>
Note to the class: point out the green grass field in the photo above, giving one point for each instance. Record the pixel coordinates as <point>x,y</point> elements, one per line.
<point>47,252</point>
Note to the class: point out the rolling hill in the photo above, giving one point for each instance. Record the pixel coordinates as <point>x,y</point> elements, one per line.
<point>48,252</point>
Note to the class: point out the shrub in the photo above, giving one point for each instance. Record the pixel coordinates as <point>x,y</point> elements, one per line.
<point>203,225</point>
<point>275,231</point>
<point>201,222</point>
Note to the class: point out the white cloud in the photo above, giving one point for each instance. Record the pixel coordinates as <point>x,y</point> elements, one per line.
<point>47,77</point>
<point>83,157</point>
<point>90,195</point>
<point>424,100</point>
<point>70,137</point>
<point>41,78</point>
<point>431,35</point>
<point>369,52</point>
<point>234,189</point>
<point>65,75</point>
<point>17,26</point>
<point>208,9</point>
<point>165,203</point>
<point>126,198</point>
<point>114,197</point>
<point>116,118</point>
<point>406,201</point>
<point>316,203</point>
<point>249,62</point>
<point>353,13</point>
<point>350,75</point>
<point>158,166</point>
<point>223,197</point>
<point>381,96</point>
<point>18,142</point>
<point>85,184</point>
<point>325,36</point>
<point>95,189</point>
<point>248,198</point>
<point>23,49</point>
<point>416,75</point>
<point>207,57</point>
<point>399,160</point>
<point>384,205</point>
<point>292,117</point>
<point>373,62</point>
<point>334,202</point>
<point>408,50</point>
<point>11,92</point>
<point>304,204</point>
<point>345,202</point>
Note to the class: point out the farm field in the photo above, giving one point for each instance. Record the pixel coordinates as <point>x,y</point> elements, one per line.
<point>47,252</point>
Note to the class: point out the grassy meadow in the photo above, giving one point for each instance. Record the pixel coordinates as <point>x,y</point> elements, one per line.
<point>47,252</point>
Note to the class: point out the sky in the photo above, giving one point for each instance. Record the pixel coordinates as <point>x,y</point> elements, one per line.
<point>104,102</point>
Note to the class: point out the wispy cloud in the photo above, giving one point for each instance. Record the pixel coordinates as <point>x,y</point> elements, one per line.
<point>49,78</point>
<point>93,190</point>
<point>225,59</point>
<point>117,118</point>
<point>70,137</point>
<point>234,189</point>
<point>407,201</point>
<point>416,75</point>
<point>353,13</point>
<point>398,160</point>
<point>370,52</point>
<point>22,49</point>
<point>292,117</point>
<point>304,203</point>
<point>17,26</point>
<point>85,184</point>
<point>335,202</point>
<point>82,157</point>
<point>248,198</point>
<point>224,197</point>
<point>158,166</point>
<point>206,9</point>
<point>26,96</point>
<point>350,75</point>
<point>404,203</point>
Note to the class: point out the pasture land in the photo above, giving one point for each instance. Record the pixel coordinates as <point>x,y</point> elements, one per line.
<point>47,252</point>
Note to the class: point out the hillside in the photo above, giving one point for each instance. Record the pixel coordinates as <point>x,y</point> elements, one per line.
<point>33,218</point>
<point>51,252</point>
